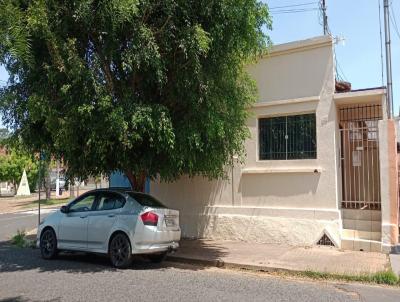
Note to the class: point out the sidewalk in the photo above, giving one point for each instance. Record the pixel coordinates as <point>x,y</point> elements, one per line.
<point>272,257</point>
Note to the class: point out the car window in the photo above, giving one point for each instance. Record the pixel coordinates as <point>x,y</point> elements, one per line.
<point>146,200</point>
<point>109,201</point>
<point>83,205</point>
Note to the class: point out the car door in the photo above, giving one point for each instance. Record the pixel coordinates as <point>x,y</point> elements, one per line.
<point>73,228</point>
<point>102,219</point>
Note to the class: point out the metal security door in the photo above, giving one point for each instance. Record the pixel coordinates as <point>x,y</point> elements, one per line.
<point>359,155</point>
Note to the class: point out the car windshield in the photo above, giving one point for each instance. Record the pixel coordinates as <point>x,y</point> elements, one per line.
<point>146,200</point>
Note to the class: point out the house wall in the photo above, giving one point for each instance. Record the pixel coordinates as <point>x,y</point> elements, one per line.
<point>389,184</point>
<point>293,201</point>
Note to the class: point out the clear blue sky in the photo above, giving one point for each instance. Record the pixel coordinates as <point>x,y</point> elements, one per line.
<point>357,21</point>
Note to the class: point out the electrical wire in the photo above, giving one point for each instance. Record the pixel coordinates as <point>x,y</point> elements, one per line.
<point>393,20</point>
<point>290,11</point>
<point>293,5</point>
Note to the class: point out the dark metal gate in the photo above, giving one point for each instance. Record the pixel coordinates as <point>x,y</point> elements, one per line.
<point>359,154</point>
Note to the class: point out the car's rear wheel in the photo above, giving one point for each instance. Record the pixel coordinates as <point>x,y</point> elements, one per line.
<point>157,258</point>
<point>120,251</point>
<point>48,244</point>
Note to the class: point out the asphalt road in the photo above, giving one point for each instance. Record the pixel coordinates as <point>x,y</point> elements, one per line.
<point>12,222</point>
<point>24,276</point>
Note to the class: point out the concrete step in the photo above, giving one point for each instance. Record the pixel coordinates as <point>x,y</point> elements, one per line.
<point>362,225</point>
<point>361,245</point>
<point>355,214</point>
<point>355,234</point>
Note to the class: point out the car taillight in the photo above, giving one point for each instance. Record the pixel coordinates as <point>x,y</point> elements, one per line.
<point>149,218</point>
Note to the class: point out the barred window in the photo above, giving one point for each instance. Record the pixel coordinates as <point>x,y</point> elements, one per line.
<point>287,137</point>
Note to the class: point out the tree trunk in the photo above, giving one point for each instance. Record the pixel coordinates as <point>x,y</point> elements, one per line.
<point>48,188</point>
<point>137,181</point>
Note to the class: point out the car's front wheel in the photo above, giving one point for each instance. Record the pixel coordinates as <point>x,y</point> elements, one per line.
<point>48,244</point>
<point>120,251</point>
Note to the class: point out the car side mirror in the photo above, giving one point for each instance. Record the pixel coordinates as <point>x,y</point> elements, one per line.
<point>64,209</point>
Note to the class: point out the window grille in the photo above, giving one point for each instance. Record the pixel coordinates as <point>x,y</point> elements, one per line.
<point>288,137</point>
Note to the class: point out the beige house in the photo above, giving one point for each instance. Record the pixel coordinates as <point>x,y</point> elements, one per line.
<point>321,166</point>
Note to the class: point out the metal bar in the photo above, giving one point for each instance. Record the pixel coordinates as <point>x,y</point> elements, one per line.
<point>363,163</point>
<point>378,170</point>
<point>368,167</point>
<point>373,175</point>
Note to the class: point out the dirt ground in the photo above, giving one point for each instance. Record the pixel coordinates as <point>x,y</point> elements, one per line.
<point>9,204</point>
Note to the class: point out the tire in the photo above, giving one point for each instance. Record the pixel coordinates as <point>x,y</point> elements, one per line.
<point>120,251</point>
<point>157,258</point>
<point>48,244</point>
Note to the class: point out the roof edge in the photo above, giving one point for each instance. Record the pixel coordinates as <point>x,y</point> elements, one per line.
<point>300,45</point>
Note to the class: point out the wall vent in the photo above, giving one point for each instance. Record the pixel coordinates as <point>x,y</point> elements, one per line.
<point>325,240</point>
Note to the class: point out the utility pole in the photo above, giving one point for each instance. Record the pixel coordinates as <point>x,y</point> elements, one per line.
<point>389,88</point>
<point>325,17</point>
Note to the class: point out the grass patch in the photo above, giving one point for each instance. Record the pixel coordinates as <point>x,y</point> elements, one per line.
<point>20,240</point>
<point>48,202</point>
<point>384,277</point>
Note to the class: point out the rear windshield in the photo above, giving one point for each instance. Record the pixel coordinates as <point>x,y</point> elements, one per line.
<point>146,200</point>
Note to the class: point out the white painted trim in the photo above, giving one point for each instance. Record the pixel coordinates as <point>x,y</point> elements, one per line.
<point>361,97</point>
<point>299,46</point>
<point>252,211</point>
<point>356,94</point>
<point>309,99</point>
<point>282,170</point>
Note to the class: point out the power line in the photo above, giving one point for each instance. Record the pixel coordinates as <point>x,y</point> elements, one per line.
<point>393,20</point>
<point>290,11</point>
<point>293,5</point>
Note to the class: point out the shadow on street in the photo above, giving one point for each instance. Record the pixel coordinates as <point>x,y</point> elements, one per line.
<point>19,259</point>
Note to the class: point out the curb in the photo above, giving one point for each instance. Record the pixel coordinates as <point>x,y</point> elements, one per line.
<point>330,277</point>
<point>223,264</point>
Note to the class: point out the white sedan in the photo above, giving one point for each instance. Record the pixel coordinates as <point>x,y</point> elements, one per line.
<point>117,222</point>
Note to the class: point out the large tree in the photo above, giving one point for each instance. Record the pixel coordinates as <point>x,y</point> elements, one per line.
<point>142,86</point>
<point>12,165</point>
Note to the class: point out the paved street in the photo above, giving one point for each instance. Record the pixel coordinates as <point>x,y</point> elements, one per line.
<point>24,276</point>
<point>11,223</point>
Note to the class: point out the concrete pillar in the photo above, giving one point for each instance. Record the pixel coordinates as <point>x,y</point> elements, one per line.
<point>389,184</point>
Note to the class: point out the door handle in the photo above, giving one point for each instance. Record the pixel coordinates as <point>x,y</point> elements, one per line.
<point>111,215</point>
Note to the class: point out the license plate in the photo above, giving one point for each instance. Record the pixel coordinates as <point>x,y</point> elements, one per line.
<point>169,222</point>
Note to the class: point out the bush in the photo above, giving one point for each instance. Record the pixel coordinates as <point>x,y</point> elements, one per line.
<point>21,241</point>
<point>387,277</point>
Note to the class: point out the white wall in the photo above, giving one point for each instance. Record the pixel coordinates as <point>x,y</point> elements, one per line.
<point>293,70</point>
<point>295,78</point>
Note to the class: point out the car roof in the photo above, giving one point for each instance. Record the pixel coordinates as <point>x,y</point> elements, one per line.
<point>115,189</point>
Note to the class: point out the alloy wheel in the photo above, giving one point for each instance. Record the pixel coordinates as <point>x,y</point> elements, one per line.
<point>120,251</point>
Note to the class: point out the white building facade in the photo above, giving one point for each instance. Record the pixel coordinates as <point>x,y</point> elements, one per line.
<point>321,166</point>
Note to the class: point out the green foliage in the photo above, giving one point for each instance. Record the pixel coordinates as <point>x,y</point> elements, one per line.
<point>151,87</point>
<point>3,134</point>
<point>20,240</point>
<point>12,166</point>
<point>385,277</point>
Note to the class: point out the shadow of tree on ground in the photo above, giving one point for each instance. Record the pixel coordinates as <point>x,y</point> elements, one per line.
<point>19,259</point>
